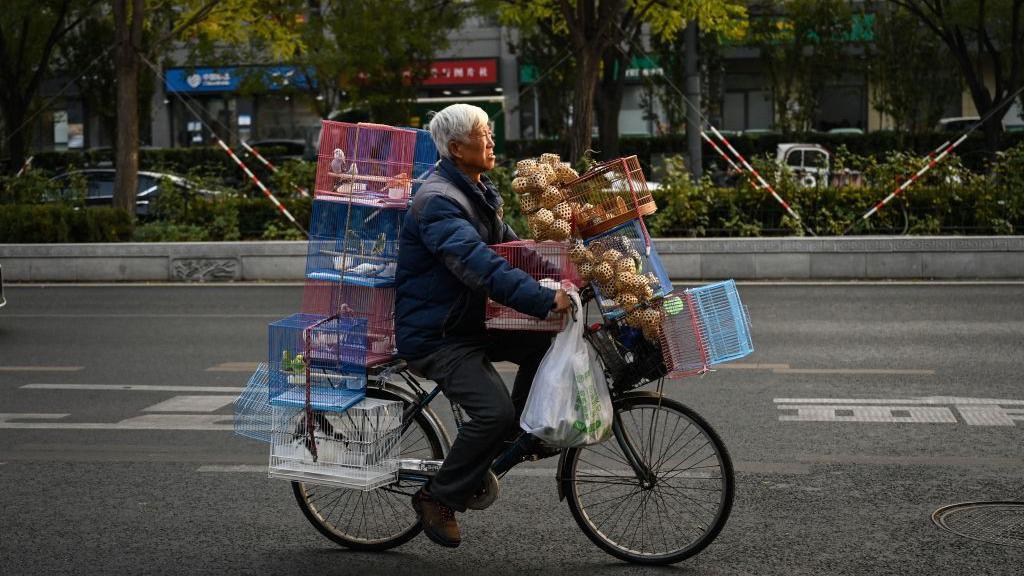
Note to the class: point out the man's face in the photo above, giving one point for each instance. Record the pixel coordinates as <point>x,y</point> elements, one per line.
<point>477,152</point>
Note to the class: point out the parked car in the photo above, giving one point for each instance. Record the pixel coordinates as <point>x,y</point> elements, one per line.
<point>99,187</point>
<point>292,149</point>
<point>957,124</point>
<point>811,165</point>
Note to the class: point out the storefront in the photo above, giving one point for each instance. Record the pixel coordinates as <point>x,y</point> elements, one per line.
<point>232,103</point>
<point>470,80</point>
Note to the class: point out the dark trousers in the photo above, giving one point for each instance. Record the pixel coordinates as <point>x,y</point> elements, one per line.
<point>466,376</point>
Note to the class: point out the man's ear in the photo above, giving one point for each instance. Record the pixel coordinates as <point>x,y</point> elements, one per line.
<point>452,147</point>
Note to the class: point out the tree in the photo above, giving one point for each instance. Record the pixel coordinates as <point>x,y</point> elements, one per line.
<point>597,29</point>
<point>909,87</point>
<point>269,26</point>
<point>374,54</point>
<point>803,48</point>
<point>980,34</point>
<point>30,31</point>
<point>553,68</point>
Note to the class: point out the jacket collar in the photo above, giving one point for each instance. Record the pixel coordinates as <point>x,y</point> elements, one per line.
<point>489,194</point>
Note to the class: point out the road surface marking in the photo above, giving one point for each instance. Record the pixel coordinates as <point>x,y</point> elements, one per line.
<point>41,368</point>
<point>854,371</point>
<point>133,387</point>
<point>749,366</point>
<point>852,413</point>
<point>234,367</point>
<point>787,369</point>
<point>922,401</point>
<point>211,422</point>
<point>151,315</point>
<point>930,409</point>
<point>205,403</point>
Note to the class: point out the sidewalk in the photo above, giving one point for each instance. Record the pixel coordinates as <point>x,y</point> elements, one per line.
<point>856,258</point>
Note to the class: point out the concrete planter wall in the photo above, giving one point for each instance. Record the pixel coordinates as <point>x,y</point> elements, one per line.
<point>945,257</point>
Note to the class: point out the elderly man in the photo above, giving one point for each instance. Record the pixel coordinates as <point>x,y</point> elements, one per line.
<point>446,272</point>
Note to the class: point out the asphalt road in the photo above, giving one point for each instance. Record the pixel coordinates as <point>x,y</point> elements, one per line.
<point>863,409</point>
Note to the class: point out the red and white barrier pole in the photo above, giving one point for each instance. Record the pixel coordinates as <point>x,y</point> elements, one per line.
<point>272,168</point>
<point>260,185</point>
<point>24,167</point>
<point>899,190</point>
<point>750,169</point>
<point>715,147</point>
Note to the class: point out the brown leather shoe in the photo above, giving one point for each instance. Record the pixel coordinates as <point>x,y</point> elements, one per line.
<point>438,520</point>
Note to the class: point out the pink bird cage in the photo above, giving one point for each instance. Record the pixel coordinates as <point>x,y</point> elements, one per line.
<point>375,305</point>
<point>547,262</point>
<point>367,163</point>
<point>610,194</point>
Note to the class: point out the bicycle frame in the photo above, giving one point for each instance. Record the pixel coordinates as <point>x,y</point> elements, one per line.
<point>421,470</point>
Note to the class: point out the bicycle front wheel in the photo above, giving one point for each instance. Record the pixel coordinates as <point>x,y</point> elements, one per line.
<point>664,520</point>
<point>379,519</point>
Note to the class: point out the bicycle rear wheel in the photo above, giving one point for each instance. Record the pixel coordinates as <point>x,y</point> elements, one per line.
<point>660,522</point>
<point>379,519</point>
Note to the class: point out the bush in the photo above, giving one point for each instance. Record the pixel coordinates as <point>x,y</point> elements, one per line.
<point>58,223</point>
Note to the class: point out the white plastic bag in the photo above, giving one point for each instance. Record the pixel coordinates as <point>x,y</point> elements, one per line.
<point>569,404</point>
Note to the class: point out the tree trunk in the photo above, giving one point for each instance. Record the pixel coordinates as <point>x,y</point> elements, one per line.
<point>129,35</point>
<point>583,105</point>
<point>609,102</point>
<point>17,143</point>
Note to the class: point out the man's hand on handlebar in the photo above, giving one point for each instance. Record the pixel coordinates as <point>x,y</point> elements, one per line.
<point>562,301</point>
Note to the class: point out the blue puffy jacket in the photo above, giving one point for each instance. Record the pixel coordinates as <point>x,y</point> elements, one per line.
<point>446,271</point>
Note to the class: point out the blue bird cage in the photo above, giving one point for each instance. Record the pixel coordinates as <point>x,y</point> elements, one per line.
<point>254,416</point>
<point>353,243</point>
<point>424,159</point>
<point>722,320</point>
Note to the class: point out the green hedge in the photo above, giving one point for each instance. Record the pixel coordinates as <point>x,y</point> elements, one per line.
<point>58,223</point>
<point>873,144</point>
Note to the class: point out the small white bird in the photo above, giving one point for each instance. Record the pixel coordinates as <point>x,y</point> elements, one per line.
<point>338,163</point>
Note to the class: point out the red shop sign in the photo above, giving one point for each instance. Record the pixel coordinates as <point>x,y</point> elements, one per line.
<point>459,72</point>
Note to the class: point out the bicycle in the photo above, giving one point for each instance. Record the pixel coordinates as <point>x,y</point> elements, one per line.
<point>665,464</point>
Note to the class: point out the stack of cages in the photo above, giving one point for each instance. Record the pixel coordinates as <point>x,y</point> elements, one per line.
<point>356,449</point>
<point>313,410</point>
<point>609,194</point>
<point>547,262</point>
<point>368,162</point>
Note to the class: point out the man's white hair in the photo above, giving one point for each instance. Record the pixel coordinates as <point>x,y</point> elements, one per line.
<point>455,123</point>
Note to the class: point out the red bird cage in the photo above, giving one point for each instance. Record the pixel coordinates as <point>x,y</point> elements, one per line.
<point>610,194</point>
<point>374,304</point>
<point>366,163</point>
<point>546,262</point>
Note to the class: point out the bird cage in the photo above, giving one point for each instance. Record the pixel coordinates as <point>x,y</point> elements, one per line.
<point>353,243</point>
<point>610,194</point>
<point>375,305</point>
<point>723,321</point>
<point>329,343</point>
<point>546,262</point>
<point>424,159</point>
<point>682,343</point>
<point>357,449</point>
<point>369,163</point>
<point>625,248</point>
<point>317,359</point>
<point>253,414</point>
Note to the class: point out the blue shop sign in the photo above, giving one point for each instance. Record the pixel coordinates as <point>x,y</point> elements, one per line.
<point>230,78</point>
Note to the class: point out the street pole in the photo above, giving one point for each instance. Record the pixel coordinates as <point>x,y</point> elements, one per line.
<point>693,123</point>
